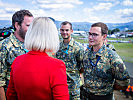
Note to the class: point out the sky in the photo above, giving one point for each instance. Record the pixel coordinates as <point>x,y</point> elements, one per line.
<point>107,11</point>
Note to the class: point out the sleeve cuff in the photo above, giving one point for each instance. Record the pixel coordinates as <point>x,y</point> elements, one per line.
<point>2,83</point>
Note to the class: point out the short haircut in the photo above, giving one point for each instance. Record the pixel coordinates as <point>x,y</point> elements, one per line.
<point>42,35</point>
<point>19,17</point>
<point>66,22</point>
<point>104,28</point>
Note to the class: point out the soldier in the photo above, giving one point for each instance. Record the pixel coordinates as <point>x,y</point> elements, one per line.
<point>71,52</point>
<point>101,66</point>
<point>13,46</point>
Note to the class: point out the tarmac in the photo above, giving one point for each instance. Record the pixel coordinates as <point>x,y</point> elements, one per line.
<point>129,68</point>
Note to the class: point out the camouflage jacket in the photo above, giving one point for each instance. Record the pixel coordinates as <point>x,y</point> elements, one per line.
<point>99,78</point>
<point>111,47</point>
<point>10,48</point>
<point>72,55</point>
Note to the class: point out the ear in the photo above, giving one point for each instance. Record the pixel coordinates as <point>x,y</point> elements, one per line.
<point>17,26</point>
<point>104,36</point>
<point>71,30</point>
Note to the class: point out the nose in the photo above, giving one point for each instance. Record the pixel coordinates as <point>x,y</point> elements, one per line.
<point>64,31</point>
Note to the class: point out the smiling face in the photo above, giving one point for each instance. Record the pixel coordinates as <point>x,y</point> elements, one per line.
<point>95,37</point>
<point>66,31</point>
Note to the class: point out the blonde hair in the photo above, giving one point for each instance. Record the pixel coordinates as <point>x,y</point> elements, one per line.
<point>42,35</point>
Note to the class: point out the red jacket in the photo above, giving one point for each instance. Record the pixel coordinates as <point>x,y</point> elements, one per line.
<point>36,76</point>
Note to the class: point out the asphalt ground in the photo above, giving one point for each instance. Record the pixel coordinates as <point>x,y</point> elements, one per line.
<point>129,68</point>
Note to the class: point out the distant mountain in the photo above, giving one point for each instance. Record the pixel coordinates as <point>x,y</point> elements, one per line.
<point>121,26</point>
<point>84,26</point>
<point>81,26</point>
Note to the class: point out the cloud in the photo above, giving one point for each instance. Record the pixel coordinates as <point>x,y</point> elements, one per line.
<point>106,6</point>
<point>88,10</point>
<point>107,0</point>
<point>118,16</point>
<point>7,10</point>
<point>7,5</point>
<point>56,4</point>
<point>127,3</point>
<point>38,12</point>
<point>4,15</point>
<point>103,6</point>
<point>59,1</point>
<point>125,12</point>
<point>11,10</point>
<point>92,19</point>
<point>100,7</point>
<point>92,11</point>
<point>55,15</point>
<point>69,1</point>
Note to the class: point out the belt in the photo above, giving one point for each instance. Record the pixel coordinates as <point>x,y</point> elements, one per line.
<point>85,93</point>
<point>92,96</point>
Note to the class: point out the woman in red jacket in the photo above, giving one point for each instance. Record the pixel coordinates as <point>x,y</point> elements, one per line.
<point>35,75</point>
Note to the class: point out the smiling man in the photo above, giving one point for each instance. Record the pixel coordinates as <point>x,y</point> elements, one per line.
<point>71,52</point>
<point>101,66</point>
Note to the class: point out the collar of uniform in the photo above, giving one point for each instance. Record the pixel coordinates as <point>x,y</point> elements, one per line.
<point>15,41</point>
<point>100,51</point>
<point>62,46</point>
<point>71,42</point>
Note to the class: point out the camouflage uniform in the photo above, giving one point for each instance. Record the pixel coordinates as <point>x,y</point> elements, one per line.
<point>72,55</point>
<point>1,38</point>
<point>11,48</point>
<point>111,47</point>
<point>99,79</point>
